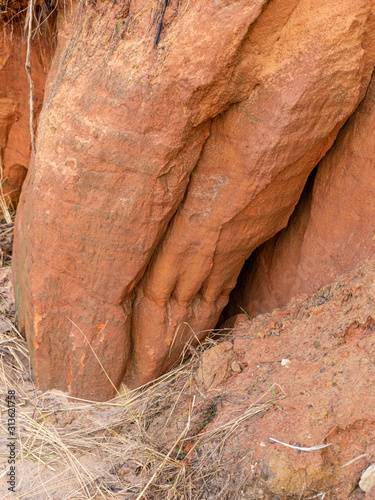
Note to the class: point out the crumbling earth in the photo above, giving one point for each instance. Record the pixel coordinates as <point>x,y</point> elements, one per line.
<point>315,362</point>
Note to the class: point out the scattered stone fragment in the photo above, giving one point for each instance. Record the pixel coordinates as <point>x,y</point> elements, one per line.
<point>285,362</point>
<point>367,481</point>
<point>235,366</point>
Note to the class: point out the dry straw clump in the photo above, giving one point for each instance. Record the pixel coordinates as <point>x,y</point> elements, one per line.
<point>127,448</point>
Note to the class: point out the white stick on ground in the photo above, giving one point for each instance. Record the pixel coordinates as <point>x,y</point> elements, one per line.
<point>301,448</point>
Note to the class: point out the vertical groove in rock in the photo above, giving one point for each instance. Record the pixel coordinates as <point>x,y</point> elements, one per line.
<point>14,93</point>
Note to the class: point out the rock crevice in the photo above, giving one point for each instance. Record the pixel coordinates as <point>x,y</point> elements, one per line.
<point>331,229</point>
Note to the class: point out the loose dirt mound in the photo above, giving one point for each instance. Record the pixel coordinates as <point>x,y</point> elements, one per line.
<point>320,353</point>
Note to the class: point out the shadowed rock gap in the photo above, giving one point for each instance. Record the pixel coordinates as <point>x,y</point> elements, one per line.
<point>14,87</point>
<point>330,231</point>
<point>300,216</point>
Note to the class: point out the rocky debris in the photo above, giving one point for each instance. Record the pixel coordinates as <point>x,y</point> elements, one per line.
<point>324,397</point>
<point>217,365</point>
<point>332,228</point>
<point>160,169</point>
<point>367,482</point>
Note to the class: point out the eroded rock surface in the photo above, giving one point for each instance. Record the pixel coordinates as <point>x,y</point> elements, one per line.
<point>332,229</point>
<point>14,98</point>
<point>168,164</point>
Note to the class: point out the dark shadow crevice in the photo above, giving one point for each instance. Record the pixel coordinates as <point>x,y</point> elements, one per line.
<point>263,256</point>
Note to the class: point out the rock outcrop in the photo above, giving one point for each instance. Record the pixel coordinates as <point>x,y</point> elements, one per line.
<point>14,98</point>
<point>332,228</point>
<point>161,165</point>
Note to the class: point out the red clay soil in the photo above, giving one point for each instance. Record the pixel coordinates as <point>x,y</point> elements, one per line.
<point>323,394</point>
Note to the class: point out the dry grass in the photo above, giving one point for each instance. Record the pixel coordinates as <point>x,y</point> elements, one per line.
<point>158,442</point>
<point>117,449</point>
<point>5,200</point>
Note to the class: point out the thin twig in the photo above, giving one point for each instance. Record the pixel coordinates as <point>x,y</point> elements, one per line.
<point>301,448</point>
<point>354,460</point>
<point>30,12</point>
<point>3,204</point>
<point>161,466</point>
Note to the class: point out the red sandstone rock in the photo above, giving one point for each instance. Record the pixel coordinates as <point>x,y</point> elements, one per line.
<point>14,100</point>
<point>246,184</point>
<point>333,226</point>
<point>167,167</point>
<point>122,128</point>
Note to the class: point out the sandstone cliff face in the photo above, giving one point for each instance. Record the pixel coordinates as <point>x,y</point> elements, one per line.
<point>332,229</point>
<point>14,100</point>
<point>161,167</point>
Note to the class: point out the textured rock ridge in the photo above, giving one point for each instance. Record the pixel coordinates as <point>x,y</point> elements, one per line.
<point>168,164</point>
<point>14,100</point>
<point>247,182</point>
<point>332,228</point>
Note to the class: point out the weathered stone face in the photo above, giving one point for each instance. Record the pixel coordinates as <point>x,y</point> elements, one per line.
<point>332,229</point>
<point>160,169</point>
<point>14,101</point>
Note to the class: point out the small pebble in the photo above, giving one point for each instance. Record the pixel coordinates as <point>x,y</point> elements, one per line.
<point>367,481</point>
<point>285,362</point>
<point>235,366</point>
